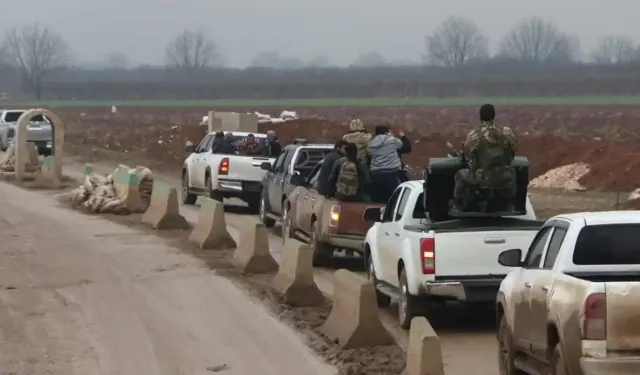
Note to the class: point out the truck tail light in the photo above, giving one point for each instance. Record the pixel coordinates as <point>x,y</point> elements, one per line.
<point>595,317</point>
<point>334,215</point>
<point>223,168</point>
<point>428,255</point>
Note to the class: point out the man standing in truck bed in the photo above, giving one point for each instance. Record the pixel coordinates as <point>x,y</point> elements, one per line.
<point>490,151</point>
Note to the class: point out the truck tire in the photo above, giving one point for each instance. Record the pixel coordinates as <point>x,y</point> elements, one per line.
<point>506,353</point>
<point>209,192</point>
<point>254,204</point>
<point>322,252</point>
<point>382,299</point>
<point>558,365</point>
<point>187,198</point>
<point>262,212</point>
<point>407,304</point>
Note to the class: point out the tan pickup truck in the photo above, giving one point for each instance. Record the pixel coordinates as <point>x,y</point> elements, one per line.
<point>572,306</point>
<point>326,224</point>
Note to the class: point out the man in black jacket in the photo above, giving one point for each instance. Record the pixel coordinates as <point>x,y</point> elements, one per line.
<point>272,146</point>
<point>325,187</point>
<point>221,145</point>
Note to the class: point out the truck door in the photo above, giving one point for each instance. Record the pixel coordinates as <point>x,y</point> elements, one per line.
<point>198,166</point>
<point>522,326</point>
<point>387,239</point>
<point>310,192</point>
<point>275,185</point>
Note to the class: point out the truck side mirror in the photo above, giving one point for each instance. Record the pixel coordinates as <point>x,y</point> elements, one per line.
<point>510,258</point>
<point>190,149</point>
<point>372,214</point>
<point>266,166</point>
<point>297,180</point>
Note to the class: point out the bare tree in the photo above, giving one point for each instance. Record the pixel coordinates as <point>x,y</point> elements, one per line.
<point>117,60</point>
<point>35,51</point>
<point>537,40</point>
<point>455,42</point>
<point>614,49</point>
<point>191,51</point>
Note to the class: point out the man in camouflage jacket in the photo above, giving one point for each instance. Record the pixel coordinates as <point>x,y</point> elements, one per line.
<point>358,136</point>
<point>489,150</point>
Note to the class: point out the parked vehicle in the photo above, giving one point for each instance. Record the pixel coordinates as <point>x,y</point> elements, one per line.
<point>39,130</point>
<point>222,176</point>
<point>571,306</point>
<point>297,159</point>
<point>325,223</point>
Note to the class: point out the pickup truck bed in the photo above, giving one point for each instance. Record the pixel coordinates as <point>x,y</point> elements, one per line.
<point>412,259</point>
<point>327,224</point>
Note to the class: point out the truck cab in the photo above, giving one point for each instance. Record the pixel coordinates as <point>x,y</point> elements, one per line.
<point>297,159</point>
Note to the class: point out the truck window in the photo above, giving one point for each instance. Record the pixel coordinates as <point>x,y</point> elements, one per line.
<point>403,203</point>
<point>418,210</point>
<point>307,159</point>
<point>202,147</point>
<point>534,255</point>
<point>278,166</point>
<point>391,205</point>
<point>313,178</point>
<point>554,247</point>
<point>608,245</point>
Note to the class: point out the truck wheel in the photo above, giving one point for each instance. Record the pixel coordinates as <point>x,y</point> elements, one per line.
<point>286,224</point>
<point>558,366</point>
<point>209,192</point>
<point>262,212</point>
<point>322,252</point>
<point>382,299</point>
<point>506,353</point>
<point>187,198</point>
<point>407,304</point>
<point>254,204</point>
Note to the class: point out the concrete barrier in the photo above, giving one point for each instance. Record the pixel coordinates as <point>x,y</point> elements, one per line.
<point>127,189</point>
<point>210,232</point>
<point>22,152</point>
<point>354,320</point>
<point>424,354</point>
<point>253,256</point>
<point>164,210</point>
<point>295,276</point>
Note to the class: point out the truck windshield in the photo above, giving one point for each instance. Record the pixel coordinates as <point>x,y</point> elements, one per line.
<point>13,116</point>
<point>608,245</point>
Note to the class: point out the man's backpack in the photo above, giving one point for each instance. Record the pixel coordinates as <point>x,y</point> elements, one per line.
<point>493,149</point>
<point>348,183</point>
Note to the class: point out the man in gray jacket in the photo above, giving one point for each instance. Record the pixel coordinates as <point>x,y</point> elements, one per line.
<point>385,164</point>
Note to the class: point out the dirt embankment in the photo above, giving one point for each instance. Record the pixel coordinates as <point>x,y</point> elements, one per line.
<point>160,140</point>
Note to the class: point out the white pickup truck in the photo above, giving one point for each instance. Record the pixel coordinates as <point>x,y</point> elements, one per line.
<point>222,176</point>
<point>571,307</point>
<point>411,258</point>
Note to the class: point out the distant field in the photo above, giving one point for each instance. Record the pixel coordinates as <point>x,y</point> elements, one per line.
<point>373,102</point>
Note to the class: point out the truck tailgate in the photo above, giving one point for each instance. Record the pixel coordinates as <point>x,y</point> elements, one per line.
<point>474,253</point>
<point>246,168</point>
<point>352,217</point>
<point>623,319</point>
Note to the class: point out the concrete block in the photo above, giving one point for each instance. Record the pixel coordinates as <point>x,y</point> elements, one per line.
<point>127,187</point>
<point>354,320</point>
<point>233,122</point>
<point>164,210</point>
<point>424,353</point>
<point>210,233</point>
<point>295,277</point>
<point>253,255</point>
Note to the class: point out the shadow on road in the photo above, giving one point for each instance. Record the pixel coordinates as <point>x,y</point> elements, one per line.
<point>456,317</point>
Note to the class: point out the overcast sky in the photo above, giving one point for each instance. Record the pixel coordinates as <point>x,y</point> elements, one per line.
<point>339,29</point>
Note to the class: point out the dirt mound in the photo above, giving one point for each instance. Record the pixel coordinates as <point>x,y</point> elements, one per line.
<point>565,177</point>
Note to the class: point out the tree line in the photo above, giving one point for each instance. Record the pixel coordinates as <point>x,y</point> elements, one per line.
<point>533,52</point>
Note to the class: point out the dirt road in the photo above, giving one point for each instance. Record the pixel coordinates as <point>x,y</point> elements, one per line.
<point>82,295</point>
<point>468,337</point>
